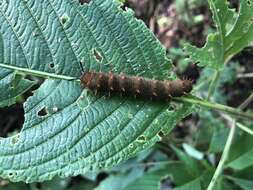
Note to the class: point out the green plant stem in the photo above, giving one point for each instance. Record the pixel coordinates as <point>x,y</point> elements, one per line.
<point>244,128</point>
<point>223,157</point>
<point>215,106</point>
<point>239,125</point>
<point>213,84</point>
<point>247,101</point>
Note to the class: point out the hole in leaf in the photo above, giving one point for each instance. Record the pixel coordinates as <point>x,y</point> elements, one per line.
<point>167,183</point>
<point>51,65</point>
<point>249,2</point>
<point>97,55</point>
<point>64,19</point>
<point>81,63</point>
<point>10,174</point>
<point>130,116</point>
<point>171,108</point>
<point>142,138</point>
<point>35,34</point>
<point>61,175</point>
<point>82,2</point>
<point>161,134</point>
<point>175,106</point>
<point>123,7</point>
<point>43,112</point>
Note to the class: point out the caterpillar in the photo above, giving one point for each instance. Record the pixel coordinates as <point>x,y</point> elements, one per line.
<point>139,87</point>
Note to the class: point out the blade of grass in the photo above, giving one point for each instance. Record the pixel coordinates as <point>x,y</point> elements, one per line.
<point>224,157</point>
<point>227,147</point>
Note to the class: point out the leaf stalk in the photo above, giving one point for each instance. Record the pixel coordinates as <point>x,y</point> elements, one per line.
<point>220,107</point>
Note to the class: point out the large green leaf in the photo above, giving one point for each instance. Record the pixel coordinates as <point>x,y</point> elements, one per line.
<point>242,153</point>
<point>68,131</point>
<point>243,183</point>
<point>234,32</point>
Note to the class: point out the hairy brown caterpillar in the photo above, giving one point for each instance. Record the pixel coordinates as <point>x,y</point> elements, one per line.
<point>112,84</point>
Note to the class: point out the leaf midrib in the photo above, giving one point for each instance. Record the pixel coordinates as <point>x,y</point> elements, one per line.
<point>38,73</point>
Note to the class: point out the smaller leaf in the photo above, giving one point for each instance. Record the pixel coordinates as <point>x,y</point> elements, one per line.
<point>234,32</point>
<point>242,183</point>
<point>120,181</point>
<point>191,164</point>
<point>224,185</point>
<point>241,35</point>
<point>193,185</point>
<point>11,86</point>
<point>222,15</point>
<point>219,138</point>
<point>210,55</point>
<point>149,181</point>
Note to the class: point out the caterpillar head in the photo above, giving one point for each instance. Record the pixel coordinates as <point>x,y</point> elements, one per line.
<point>179,87</point>
<point>186,85</point>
